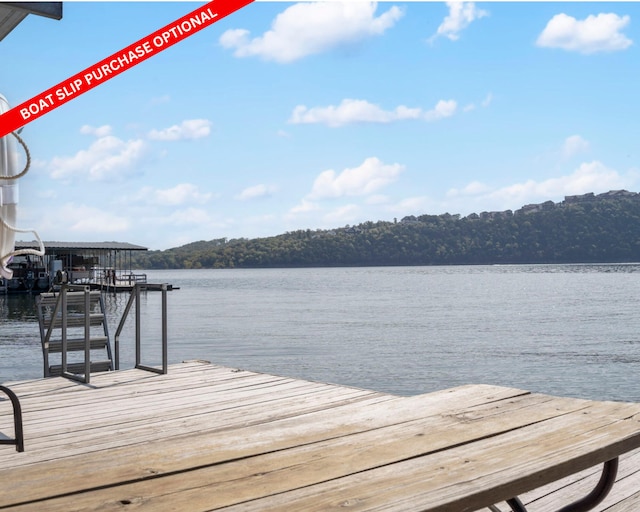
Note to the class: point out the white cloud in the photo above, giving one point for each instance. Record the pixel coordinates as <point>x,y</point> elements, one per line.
<point>182,193</point>
<point>189,216</point>
<point>311,28</point>
<point>599,33</point>
<point>588,177</point>
<point>84,219</point>
<point>441,110</point>
<point>574,145</point>
<point>471,189</point>
<point>351,111</point>
<point>304,207</point>
<point>37,163</point>
<point>188,129</point>
<point>461,15</point>
<point>265,219</point>
<point>47,194</point>
<point>484,103</point>
<point>106,158</point>
<point>361,111</point>
<point>409,206</point>
<point>342,215</point>
<point>370,176</point>
<point>100,131</point>
<point>377,199</point>
<point>256,191</point>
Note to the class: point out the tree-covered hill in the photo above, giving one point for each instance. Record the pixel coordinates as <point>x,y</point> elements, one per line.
<point>580,229</point>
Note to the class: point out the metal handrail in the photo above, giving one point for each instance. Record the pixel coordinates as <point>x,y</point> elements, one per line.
<point>135,297</point>
<point>17,420</point>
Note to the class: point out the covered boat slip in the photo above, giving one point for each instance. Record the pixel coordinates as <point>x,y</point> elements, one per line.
<point>204,437</point>
<point>102,265</point>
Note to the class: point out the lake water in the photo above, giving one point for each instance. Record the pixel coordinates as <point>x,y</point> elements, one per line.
<point>562,329</point>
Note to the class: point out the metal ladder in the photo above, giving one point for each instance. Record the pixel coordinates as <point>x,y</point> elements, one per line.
<point>87,315</point>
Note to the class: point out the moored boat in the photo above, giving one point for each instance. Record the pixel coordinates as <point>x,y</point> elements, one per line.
<point>29,276</point>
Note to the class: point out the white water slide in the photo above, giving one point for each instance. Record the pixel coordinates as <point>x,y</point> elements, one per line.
<point>9,175</point>
<point>11,15</point>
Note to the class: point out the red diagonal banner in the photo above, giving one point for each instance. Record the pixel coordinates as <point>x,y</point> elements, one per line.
<point>115,64</point>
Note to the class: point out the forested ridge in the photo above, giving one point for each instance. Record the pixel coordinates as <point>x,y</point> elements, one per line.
<point>581,229</point>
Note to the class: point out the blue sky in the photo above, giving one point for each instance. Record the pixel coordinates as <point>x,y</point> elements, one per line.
<point>289,116</point>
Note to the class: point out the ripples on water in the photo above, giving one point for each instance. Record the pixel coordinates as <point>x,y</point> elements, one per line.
<point>561,329</point>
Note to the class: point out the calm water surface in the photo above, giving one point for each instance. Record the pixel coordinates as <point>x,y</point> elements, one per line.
<point>562,329</point>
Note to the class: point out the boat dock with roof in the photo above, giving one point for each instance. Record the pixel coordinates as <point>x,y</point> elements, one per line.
<point>101,265</point>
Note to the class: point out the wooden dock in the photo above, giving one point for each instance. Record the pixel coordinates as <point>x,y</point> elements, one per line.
<point>205,437</point>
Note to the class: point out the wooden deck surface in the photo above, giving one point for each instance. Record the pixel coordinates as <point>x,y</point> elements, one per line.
<point>133,440</point>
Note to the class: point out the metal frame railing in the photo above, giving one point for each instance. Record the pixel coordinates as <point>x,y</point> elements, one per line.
<point>61,303</point>
<point>17,420</point>
<point>135,297</point>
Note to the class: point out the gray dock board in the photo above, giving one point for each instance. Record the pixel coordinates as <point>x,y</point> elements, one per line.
<point>270,428</point>
<point>137,414</point>
<point>192,429</point>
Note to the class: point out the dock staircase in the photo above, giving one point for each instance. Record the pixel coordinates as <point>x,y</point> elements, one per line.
<point>74,333</point>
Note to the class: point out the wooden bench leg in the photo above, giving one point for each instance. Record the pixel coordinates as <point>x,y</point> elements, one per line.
<point>599,493</point>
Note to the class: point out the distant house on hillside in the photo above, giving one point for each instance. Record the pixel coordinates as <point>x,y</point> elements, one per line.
<point>618,193</point>
<point>612,194</point>
<point>496,215</point>
<point>528,209</point>
<point>580,198</point>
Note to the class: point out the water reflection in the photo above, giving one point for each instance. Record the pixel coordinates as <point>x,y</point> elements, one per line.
<point>17,308</point>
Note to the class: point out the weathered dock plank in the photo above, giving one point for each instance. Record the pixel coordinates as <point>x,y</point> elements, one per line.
<point>205,453</point>
<point>137,415</point>
<point>206,437</point>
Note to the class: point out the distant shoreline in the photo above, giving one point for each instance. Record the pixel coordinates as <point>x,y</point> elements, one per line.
<point>586,229</point>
